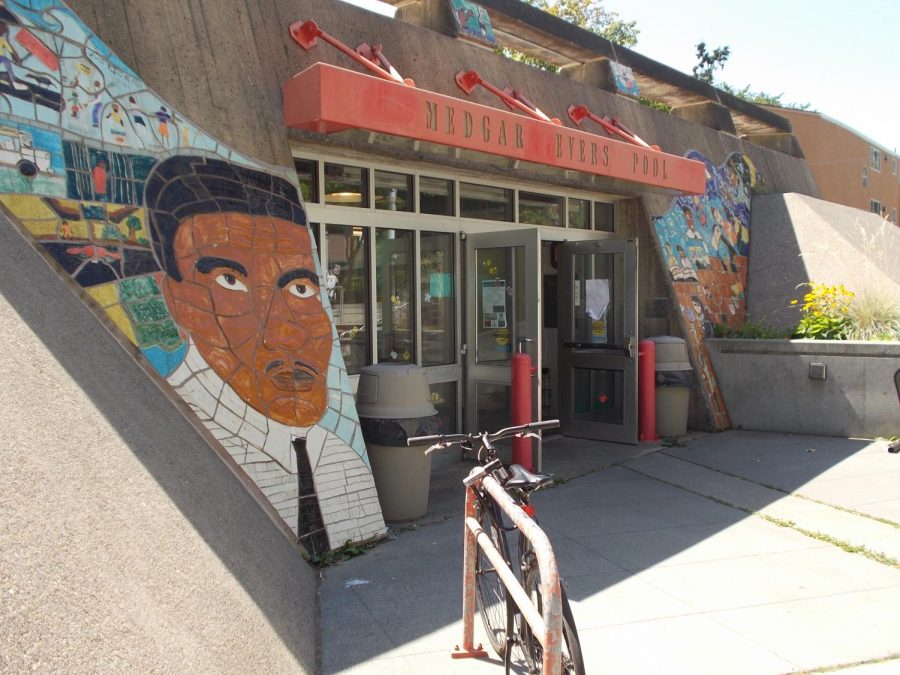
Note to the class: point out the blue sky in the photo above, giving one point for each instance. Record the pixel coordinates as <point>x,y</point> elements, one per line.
<point>841,57</point>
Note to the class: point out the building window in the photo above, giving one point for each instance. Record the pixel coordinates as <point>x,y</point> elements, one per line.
<point>538,209</point>
<point>436,196</point>
<point>876,159</point>
<point>604,217</point>
<point>894,216</point>
<point>394,296</point>
<point>865,176</point>
<point>346,185</point>
<point>308,176</point>
<point>875,206</point>
<point>393,191</point>
<point>893,166</point>
<point>437,299</point>
<point>579,213</point>
<point>347,285</point>
<point>485,202</point>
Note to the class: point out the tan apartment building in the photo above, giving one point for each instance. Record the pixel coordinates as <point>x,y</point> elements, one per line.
<point>849,168</point>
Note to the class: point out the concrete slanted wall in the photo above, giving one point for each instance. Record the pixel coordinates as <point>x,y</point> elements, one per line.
<point>125,544</point>
<point>799,239</point>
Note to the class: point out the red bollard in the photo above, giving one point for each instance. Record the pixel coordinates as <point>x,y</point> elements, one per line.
<point>520,409</point>
<point>647,391</point>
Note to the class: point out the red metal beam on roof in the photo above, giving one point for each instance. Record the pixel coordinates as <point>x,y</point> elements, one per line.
<point>326,99</point>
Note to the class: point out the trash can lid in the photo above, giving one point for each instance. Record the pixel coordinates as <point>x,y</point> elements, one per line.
<point>671,353</point>
<point>393,390</point>
<point>673,365</point>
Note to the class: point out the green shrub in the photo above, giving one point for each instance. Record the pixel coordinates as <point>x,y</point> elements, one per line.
<point>825,312</point>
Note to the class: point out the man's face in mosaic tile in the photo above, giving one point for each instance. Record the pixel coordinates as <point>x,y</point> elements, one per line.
<point>249,297</point>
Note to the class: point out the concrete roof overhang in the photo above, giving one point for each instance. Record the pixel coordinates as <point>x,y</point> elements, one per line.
<point>520,26</point>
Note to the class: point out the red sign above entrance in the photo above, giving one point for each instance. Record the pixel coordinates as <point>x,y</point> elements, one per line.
<point>326,99</point>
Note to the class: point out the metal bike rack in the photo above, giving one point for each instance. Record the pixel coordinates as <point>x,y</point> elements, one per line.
<point>547,630</point>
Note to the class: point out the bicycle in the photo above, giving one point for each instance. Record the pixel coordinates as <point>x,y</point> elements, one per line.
<point>500,615</point>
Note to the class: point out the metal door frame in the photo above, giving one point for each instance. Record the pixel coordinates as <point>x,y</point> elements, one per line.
<point>529,238</point>
<point>620,355</point>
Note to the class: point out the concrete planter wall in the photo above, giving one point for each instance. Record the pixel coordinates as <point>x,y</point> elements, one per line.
<point>771,385</point>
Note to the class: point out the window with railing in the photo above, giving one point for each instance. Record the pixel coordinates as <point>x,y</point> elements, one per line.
<point>876,158</point>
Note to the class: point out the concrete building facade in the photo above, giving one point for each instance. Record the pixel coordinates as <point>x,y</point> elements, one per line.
<point>161,158</point>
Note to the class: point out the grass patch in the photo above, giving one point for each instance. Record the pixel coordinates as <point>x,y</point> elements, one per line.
<point>781,522</point>
<point>855,664</point>
<point>335,556</point>
<point>878,519</point>
<point>834,541</point>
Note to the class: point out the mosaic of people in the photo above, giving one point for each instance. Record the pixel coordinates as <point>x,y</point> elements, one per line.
<point>705,243</point>
<point>200,256</point>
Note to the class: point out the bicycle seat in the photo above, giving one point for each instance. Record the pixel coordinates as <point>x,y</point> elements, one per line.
<point>520,477</point>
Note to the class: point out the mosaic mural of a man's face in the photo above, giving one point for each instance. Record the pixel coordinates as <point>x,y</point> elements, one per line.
<point>199,256</point>
<point>241,280</point>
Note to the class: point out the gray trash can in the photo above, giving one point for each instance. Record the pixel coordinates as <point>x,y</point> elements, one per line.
<point>674,379</point>
<point>394,403</point>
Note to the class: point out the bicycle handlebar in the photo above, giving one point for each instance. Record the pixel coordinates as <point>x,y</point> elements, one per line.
<point>451,439</point>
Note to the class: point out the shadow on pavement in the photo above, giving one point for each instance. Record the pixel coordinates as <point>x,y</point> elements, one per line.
<point>615,515</point>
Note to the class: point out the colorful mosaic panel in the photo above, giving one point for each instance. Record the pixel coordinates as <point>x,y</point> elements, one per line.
<point>200,256</point>
<point>705,243</point>
<point>625,81</point>
<point>471,20</point>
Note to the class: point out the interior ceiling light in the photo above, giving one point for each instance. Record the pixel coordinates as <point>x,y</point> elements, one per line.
<point>343,198</point>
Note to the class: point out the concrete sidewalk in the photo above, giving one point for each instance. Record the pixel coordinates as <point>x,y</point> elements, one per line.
<point>732,553</point>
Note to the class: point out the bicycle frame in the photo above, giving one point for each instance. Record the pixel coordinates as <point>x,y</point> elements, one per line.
<point>549,631</point>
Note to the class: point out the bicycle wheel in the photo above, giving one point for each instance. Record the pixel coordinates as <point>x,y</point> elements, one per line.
<point>490,593</point>
<point>572,661</point>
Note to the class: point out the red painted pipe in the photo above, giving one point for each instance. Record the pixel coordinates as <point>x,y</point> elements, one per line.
<point>467,80</point>
<point>647,391</point>
<point>520,409</point>
<point>305,34</point>
<point>577,113</point>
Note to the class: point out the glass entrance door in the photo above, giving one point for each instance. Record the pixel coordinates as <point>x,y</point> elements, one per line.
<point>503,306</point>
<point>598,340</point>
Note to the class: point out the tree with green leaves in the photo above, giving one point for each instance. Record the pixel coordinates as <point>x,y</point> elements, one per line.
<point>761,97</point>
<point>590,15</point>
<point>587,14</point>
<point>709,62</point>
